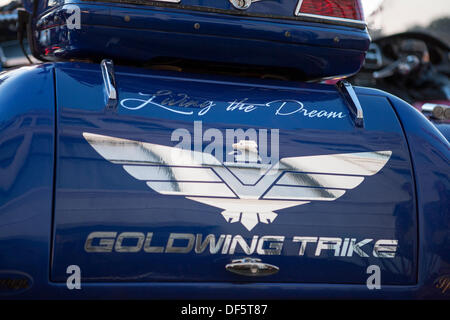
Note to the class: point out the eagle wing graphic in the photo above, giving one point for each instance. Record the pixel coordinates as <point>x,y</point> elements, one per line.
<point>325,177</point>
<point>167,170</point>
<point>201,177</point>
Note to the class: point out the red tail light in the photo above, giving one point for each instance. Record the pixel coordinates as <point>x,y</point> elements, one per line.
<point>339,9</point>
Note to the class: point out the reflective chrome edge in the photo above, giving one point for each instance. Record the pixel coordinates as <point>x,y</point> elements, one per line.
<point>252,267</point>
<point>297,13</point>
<point>2,57</point>
<point>351,99</point>
<point>438,111</point>
<point>429,107</point>
<point>109,80</point>
<point>242,4</point>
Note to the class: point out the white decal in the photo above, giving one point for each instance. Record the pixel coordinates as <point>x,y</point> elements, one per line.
<point>219,244</point>
<point>247,191</point>
<point>178,103</point>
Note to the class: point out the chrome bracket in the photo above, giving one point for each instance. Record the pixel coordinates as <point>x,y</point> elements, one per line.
<point>251,267</point>
<point>109,81</point>
<point>351,100</point>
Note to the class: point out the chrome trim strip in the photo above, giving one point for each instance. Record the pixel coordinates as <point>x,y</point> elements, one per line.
<point>199,189</point>
<point>298,179</point>
<point>298,7</point>
<point>309,15</point>
<point>303,193</point>
<point>167,173</point>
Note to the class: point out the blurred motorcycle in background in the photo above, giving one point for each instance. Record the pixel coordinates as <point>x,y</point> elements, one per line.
<point>414,66</point>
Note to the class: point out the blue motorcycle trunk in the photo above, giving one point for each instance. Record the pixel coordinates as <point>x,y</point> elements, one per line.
<point>267,34</point>
<point>155,184</point>
<point>123,212</point>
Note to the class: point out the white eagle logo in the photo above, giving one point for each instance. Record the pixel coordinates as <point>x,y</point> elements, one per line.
<point>245,191</point>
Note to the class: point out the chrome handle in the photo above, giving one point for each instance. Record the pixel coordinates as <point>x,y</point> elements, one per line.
<point>109,80</point>
<point>352,101</point>
<point>251,267</point>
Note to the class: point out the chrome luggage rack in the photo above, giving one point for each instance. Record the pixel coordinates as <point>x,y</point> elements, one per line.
<point>351,99</point>
<point>110,88</point>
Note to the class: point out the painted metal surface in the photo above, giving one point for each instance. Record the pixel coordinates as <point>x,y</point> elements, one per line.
<point>141,33</point>
<point>430,155</point>
<point>92,194</point>
<point>97,195</point>
<point>27,126</point>
<point>275,9</point>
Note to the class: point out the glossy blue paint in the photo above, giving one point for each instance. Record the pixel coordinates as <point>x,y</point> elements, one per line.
<point>431,155</point>
<point>315,50</point>
<point>90,191</point>
<point>444,128</point>
<point>27,126</point>
<point>87,184</point>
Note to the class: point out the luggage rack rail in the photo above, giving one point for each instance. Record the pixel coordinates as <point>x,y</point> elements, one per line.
<point>351,99</point>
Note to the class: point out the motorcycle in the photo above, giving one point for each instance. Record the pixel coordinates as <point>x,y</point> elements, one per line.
<point>414,66</point>
<point>187,149</point>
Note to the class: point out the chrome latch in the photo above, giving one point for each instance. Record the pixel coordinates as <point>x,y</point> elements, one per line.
<point>352,101</point>
<point>242,4</point>
<point>251,267</point>
<point>109,81</point>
